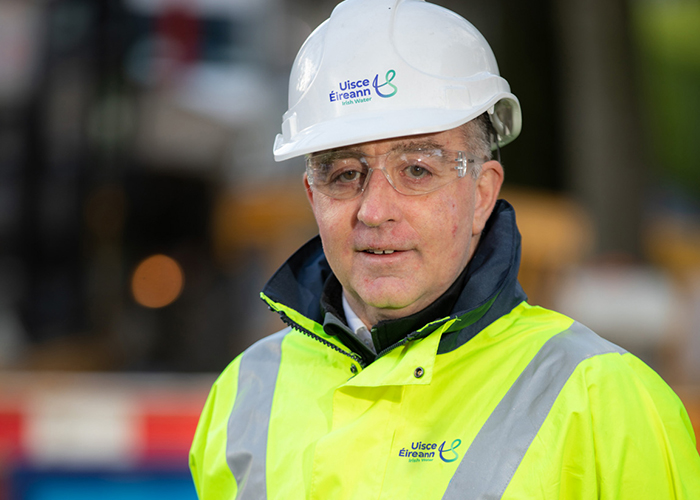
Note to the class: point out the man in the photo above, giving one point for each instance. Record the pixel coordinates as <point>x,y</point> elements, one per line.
<point>412,366</point>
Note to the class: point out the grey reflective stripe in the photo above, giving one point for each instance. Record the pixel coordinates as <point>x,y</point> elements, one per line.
<point>501,444</point>
<point>246,442</point>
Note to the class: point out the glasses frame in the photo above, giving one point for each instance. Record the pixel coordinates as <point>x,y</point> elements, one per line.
<point>465,162</point>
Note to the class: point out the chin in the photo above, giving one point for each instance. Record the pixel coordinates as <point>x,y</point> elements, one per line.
<point>388,296</point>
<point>391,306</point>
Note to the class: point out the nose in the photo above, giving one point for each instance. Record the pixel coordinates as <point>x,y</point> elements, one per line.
<point>379,200</point>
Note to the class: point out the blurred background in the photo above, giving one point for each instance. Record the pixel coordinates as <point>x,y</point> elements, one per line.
<point>141,211</point>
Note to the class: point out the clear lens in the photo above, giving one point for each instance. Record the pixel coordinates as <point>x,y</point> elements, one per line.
<point>343,174</point>
<point>338,174</point>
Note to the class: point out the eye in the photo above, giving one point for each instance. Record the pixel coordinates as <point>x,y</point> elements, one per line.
<point>416,171</point>
<point>345,169</point>
<point>348,176</point>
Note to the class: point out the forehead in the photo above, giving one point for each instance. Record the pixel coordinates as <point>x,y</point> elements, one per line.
<point>449,139</point>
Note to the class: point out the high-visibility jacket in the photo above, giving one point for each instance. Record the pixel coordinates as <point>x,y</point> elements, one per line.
<point>499,399</point>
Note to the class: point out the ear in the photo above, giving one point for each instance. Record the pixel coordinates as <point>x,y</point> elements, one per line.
<point>488,186</point>
<point>309,191</point>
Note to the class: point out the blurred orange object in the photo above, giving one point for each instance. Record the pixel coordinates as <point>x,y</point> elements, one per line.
<point>157,281</point>
<point>557,235</point>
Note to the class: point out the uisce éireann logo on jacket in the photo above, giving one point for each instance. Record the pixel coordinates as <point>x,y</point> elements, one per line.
<point>427,452</point>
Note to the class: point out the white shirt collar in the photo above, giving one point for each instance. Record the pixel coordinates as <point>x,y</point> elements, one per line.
<point>357,326</point>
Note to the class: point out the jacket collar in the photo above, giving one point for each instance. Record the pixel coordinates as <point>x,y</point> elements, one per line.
<point>389,332</point>
<point>485,291</point>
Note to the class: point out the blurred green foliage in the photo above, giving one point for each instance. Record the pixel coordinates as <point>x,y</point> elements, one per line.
<point>667,35</point>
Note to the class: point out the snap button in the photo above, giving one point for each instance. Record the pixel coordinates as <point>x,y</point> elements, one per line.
<point>353,368</point>
<point>418,373</point>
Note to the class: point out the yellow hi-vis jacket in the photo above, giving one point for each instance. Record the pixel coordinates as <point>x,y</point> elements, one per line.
<point>499,399</point>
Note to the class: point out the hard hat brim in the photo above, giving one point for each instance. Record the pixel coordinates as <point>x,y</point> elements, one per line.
<point>349,130</point>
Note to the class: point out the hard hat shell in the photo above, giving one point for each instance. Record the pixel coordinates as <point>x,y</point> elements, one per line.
<point>389,68</point>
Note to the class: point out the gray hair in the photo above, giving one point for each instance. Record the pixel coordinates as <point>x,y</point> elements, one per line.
<point>477,138</point>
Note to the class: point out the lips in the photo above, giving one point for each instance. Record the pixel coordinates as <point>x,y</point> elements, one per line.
<point>379,252</point>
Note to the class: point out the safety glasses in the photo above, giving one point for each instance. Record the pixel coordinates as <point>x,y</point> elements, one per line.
<point>344,174</point>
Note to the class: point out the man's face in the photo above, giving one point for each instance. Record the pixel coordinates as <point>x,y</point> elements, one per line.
<point>432,235</point>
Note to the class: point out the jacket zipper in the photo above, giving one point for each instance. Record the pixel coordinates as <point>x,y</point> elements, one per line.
<point>292,324</point>
<point>405,340</point>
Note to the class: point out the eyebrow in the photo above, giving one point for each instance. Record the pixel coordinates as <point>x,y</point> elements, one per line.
<point>414,145</point>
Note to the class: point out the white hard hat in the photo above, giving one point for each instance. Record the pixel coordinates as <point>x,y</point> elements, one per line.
<point>388,68</point>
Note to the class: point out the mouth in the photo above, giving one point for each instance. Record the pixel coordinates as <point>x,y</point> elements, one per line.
<point>379,252</point>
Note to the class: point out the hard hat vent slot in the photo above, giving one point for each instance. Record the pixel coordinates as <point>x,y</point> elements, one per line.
<point>289,125</point>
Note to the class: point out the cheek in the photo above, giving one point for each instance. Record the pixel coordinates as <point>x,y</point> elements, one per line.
<point>459,217</point>
<point>446,233</point>
<point>333,224</point>
<point>328,229</point>
<point>455,220</point>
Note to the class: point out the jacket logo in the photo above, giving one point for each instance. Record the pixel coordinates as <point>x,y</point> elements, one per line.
<point>425,452</point>
<point>451,449</point>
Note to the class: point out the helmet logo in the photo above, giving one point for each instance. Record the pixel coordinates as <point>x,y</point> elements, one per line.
<point>388,78</point>
<point>359,91</point>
